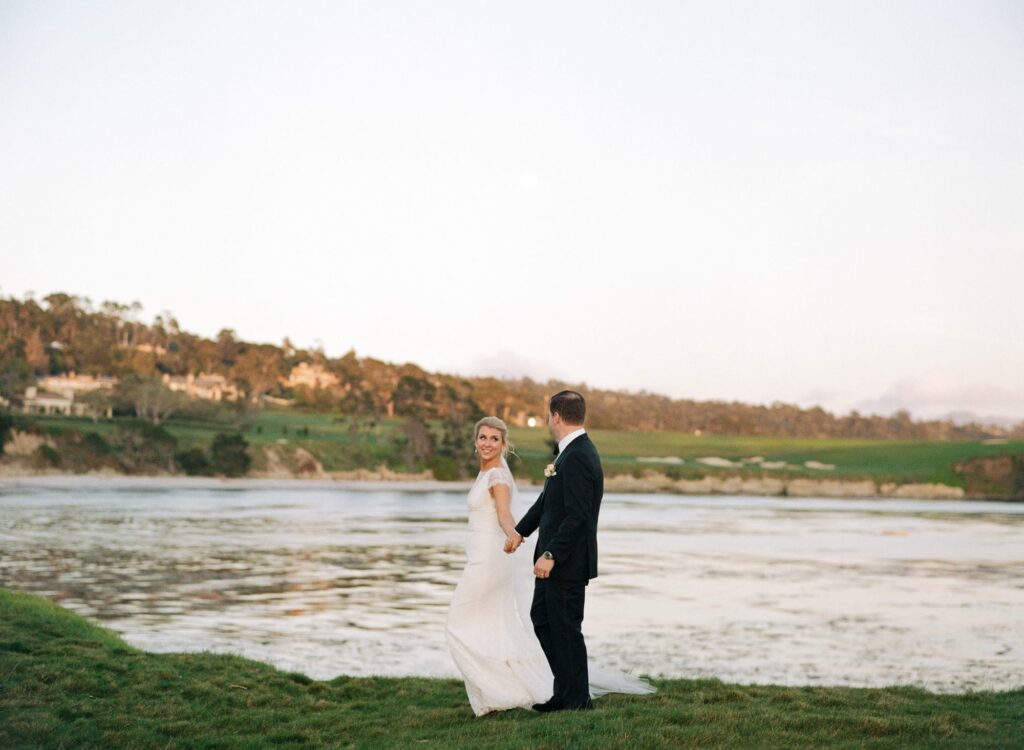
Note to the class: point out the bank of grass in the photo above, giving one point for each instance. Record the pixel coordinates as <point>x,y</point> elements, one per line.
<point>68,683</point>
<point>899,461</point>
<point>346,443</point>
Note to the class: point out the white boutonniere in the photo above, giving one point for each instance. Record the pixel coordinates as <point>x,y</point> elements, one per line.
<point>549,470</point>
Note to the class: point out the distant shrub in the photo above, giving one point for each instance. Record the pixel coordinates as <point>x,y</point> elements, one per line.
<point>444,468</point>
<point>48,455</point>
<point>96,443</point>
<point>229,454</point>
<point>193,461</point>
<point>683,472</point>
<point>6,425</point>
<point>83,451</point>
<point>141,447</point>
<point>457,443</point>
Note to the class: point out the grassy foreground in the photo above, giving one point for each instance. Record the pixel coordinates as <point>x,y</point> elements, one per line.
<point>66,682</point>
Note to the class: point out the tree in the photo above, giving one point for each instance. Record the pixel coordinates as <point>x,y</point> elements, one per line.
<point>227,346</point>
<point>259,368</point>
<point>125,320</point>
<point>419,443</point>
<point>15,376</point>
<point>229,454</point>
<point>457,447</point>
<point>35,352</point>
<point>6,427</point>
<point>149,397</point>
<point>193,461</point>
<point>414,397</point>
<point>140,446</point>
<point>99,401</point>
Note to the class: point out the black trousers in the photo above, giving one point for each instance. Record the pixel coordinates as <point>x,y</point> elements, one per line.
<point>557,616</point>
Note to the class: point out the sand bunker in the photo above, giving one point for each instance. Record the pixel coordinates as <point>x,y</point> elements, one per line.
<point>819,465</point>
<point>718,461</point>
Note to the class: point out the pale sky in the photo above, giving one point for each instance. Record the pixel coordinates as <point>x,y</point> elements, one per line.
<point>818,203</point>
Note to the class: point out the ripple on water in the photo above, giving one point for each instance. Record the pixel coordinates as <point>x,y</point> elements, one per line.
<point>327,581</point>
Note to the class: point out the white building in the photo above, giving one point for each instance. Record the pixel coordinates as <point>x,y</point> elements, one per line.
<point>48,403</point>
<point>69,384</point>
<point>311,376</point>
<point>211,387</point>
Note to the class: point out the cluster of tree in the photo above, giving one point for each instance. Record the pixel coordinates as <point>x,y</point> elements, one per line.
<point>449,454</point>
<point>228,456</point>
<point>65,332</point>
<point>648,411</point>
<point>132,447</point>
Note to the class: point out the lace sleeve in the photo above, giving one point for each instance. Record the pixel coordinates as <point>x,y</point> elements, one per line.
<point>500,475</point>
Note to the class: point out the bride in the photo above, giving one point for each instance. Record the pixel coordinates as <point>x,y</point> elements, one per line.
<point>488,628</point>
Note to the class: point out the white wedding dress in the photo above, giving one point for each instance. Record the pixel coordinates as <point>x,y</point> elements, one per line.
<point>488,628</point>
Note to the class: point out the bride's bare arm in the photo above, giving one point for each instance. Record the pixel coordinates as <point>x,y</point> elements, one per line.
<point>502,503</point>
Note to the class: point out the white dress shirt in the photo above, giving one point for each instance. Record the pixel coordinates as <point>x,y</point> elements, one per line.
<point>568,439</point>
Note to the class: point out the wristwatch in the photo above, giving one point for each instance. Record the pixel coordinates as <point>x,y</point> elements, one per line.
<point>547,555</point>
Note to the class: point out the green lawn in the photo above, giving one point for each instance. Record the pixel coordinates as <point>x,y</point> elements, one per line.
<point>66,682</point>
<point>881,460</point>
<point>343,443</point>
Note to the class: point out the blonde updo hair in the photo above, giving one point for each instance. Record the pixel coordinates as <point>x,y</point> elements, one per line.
<point>498,425</point>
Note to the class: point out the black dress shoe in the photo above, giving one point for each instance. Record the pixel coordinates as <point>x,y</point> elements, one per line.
<point>548,706</point>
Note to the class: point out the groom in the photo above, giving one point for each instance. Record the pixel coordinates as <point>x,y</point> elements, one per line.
<point>565,558</point>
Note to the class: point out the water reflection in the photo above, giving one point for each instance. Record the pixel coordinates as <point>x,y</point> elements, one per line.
<point>329,581</point>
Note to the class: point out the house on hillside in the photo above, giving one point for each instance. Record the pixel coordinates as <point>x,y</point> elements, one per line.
<point>311,376</point>
<point>70,384</point>
<point>48,403</point>
<point>147,348</point>
<point>211,387</point>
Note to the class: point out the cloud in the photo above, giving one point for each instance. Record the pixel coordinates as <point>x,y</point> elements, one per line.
<point>932,396</point>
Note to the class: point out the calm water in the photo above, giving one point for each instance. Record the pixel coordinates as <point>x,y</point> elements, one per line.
<point>329,580</point>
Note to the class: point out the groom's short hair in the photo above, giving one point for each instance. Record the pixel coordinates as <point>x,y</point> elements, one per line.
<point>570,406</point>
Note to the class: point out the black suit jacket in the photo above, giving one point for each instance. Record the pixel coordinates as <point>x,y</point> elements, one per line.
<point>566,512</point>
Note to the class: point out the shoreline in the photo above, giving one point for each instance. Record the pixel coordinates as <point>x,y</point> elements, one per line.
<point>651,483</point>
<point>174,481</point>
<point>73,681</point>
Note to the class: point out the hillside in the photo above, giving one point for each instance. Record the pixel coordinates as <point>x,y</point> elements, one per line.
<point>66,333</point>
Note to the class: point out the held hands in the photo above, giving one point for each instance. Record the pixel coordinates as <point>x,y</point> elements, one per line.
<point>512,543</point>
<point>542,568</point>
